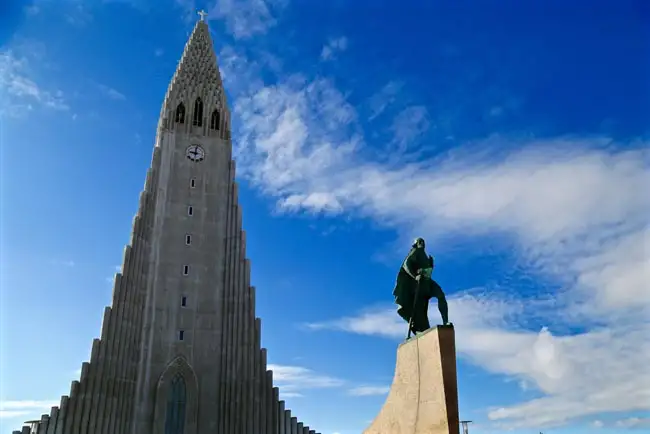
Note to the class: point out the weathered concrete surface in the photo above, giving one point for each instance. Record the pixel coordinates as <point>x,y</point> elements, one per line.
<point>424,395</point>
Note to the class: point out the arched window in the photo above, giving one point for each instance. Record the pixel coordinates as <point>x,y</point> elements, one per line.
<point>198,113</point>
<point>214,120</point>
<point>180,113</point>
<point>176,399</point>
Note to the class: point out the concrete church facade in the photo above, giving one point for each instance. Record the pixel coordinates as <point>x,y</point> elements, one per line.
<point>180,348</point>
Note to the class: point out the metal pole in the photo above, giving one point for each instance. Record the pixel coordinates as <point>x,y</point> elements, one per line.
<point>465,424</point>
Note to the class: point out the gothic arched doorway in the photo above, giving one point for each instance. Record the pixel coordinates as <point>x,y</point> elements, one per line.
<point>176,406</point>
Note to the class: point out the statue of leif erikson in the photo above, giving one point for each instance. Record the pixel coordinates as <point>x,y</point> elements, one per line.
<point>414,287</point>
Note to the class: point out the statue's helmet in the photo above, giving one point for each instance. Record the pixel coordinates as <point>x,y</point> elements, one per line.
<point>418,242</point>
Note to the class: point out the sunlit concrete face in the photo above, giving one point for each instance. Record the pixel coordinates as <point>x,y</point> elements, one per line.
<point>424,395</point>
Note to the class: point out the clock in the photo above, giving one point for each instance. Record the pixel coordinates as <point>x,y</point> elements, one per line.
<point>195,153</point>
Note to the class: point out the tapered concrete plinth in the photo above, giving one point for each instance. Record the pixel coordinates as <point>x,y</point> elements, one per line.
<point>424,395</point>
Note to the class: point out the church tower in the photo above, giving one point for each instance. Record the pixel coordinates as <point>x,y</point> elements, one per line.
<point>180,350</point>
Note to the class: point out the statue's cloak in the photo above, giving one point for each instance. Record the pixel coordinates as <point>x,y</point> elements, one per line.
<point>406,285</point>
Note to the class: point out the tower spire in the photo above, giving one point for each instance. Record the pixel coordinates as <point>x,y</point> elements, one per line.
<point>196,83</point>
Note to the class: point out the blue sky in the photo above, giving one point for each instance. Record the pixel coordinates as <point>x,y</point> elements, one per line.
<point>513,137</point>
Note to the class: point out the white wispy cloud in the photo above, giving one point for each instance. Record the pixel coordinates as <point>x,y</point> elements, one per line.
<point>245,18</point>
<point>627,424</point>
<point>189,9</point>
<point>20,89</point>
<point>291,394</point>
<point>571,209</point>
<point>11,409</point>
<point>279,122</point>
<point>77,13</point>
<point>32,9</point>
<point>633,422</point>
<point>111,93</point>
<point>63,262</point>
<point>387,95</point>
<point>334,46</point>
<point>408,126</point>
<point>293,380</point>
<point>369,390</point>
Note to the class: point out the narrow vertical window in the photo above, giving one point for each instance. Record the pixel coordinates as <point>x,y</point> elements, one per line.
<point>176,407</point>
<point>183,301</point>
<point>214,120</point>
<point>181,335</point>
<point>192,183</point>
<point>190,210</point>
<point>180,113</point>
<point>197,119</point>
<point>188,239</point>
<point>186,270</point>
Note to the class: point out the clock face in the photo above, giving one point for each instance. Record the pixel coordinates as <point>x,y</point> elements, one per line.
<point>195,153</point>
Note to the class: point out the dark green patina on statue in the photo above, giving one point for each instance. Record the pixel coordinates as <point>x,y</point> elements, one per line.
<point>414,288</point>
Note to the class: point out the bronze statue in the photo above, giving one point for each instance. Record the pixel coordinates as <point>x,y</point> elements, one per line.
<point>414,287</point>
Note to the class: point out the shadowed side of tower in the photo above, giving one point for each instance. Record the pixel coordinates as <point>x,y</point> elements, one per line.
<point>180,347</point>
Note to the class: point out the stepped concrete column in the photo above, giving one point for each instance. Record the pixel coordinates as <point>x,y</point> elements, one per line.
<point>275,409</point>
<point>54,418</point>
<point>287,422</point>
<point>42,425</point>
<point>63,411</point>
<point>281,417</point>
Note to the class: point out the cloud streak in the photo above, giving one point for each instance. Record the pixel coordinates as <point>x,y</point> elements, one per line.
<point>245,18</point>
<point>381,99</point>
<point>334,46</point>
<point>111,93</point>
<point>369,390</point>
<point>294,380</point>
<point>21,90</point>
<point>12,409</point>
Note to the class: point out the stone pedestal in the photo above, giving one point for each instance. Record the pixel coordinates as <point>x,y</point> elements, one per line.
<point>424,395</point>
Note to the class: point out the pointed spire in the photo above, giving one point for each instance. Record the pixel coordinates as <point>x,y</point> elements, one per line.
<point>197,75</point>
<point>198,57</point>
